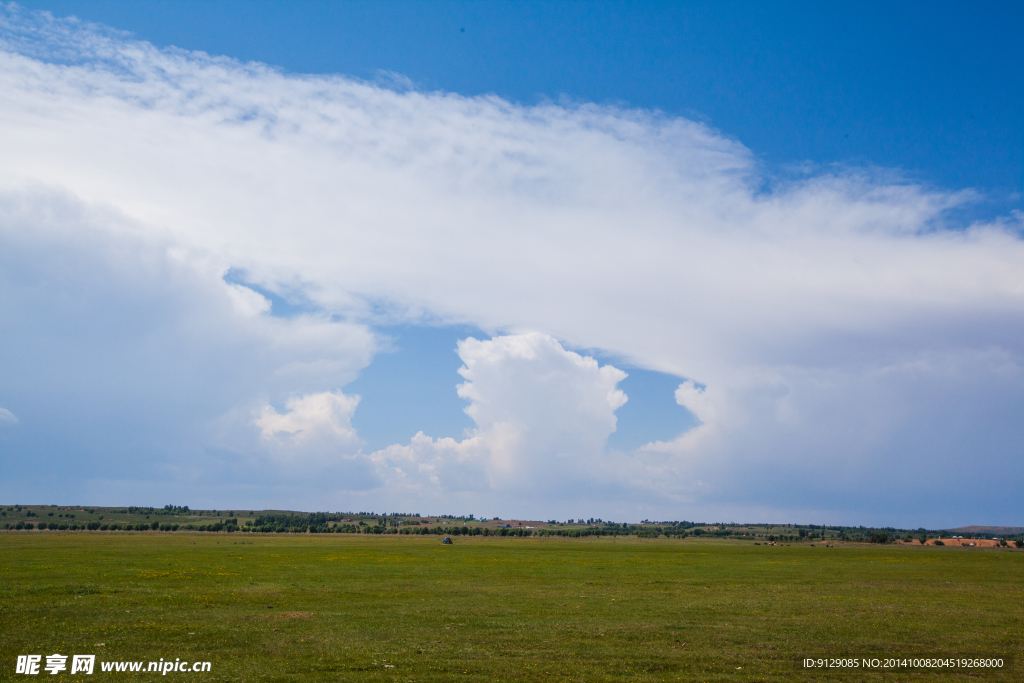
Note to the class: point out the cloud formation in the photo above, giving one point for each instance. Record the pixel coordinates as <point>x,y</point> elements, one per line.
<point>324,418</point>
<point>543,415</point>
<point>830,324</point>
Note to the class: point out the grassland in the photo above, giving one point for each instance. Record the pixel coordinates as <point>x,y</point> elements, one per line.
<point>340,607</point>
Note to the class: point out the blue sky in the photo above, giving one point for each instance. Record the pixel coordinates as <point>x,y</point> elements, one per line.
<point>625,260</point>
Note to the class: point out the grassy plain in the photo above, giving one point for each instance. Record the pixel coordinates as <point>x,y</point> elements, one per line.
<point>316,607</point>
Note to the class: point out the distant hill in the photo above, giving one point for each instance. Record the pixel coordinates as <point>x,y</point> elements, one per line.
<point>988,530</point>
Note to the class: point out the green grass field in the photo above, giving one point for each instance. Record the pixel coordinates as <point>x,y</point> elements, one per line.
<point>388,608</point>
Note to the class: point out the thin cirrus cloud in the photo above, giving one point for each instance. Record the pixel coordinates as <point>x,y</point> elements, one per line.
<point>847,349</point>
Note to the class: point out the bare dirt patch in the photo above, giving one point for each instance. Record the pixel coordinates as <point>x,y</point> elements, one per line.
<point>966,542</point>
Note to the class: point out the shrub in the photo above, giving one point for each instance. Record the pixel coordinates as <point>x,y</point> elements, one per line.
<point>19,525</point>
<point>938,541</point>
<point>1019,543</point>
<point>42,525</point>
<point>28,525</point>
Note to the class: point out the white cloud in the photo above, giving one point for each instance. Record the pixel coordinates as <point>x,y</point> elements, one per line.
<point>324,418</point>
<point>696,400</point>
<point>543,415</point>
<point>813,313</point>
<point>538,400</point>
<point>115,344</point>
<point>7,417</point>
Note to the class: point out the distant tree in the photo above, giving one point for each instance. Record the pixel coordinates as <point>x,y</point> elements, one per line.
<point>938,541</point>
<point>923,539</point>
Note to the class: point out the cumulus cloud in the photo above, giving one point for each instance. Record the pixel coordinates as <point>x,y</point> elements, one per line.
<point>543,416</point>
<point>115,345</point>
<point>646,236</point>
<point>549,402</point>
<point>696,400</point>
<point>324,417</point>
